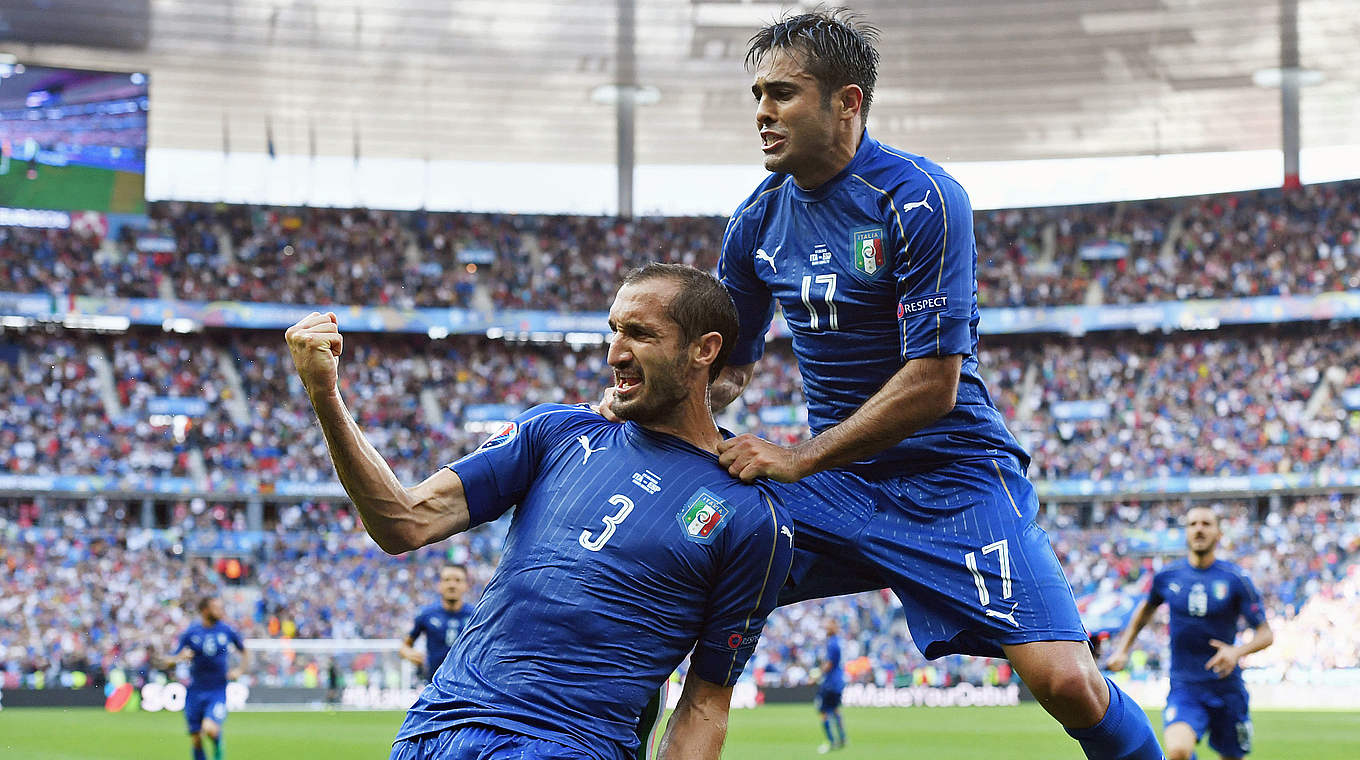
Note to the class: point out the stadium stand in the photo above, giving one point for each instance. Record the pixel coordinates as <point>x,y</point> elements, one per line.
<point>223,405</point>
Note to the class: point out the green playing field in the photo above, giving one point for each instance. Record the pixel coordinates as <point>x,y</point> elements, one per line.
<point>773,731</point>
<point>73,188</point>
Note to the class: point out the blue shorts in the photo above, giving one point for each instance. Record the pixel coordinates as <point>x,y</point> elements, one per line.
<point>1219,707</point>
<point>959,546</point>
<point>828,700</point>
<point>481,743</point>
<point>205,703</point>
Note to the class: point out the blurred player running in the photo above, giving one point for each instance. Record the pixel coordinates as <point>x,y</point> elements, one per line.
<point>439,623</point>
<point>205,646</point>
<point>1205,596</point>
<point>829,692</point>
<point>630,547</point>
<point>869,252</point>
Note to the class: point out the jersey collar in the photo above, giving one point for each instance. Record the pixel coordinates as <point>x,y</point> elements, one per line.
<point>867,147</point>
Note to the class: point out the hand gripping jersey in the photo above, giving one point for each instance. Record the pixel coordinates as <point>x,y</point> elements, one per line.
<point>628,549</point>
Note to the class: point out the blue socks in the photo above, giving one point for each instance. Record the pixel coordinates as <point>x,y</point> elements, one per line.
<point>840,729</point>
<point>198,753</point>
<point>1123,734</point>
<point>826,729</point>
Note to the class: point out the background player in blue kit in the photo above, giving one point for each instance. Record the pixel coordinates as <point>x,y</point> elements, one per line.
<point>439,623</point>
<point>1206,596</point>
<point>206,646</point>
<point>630,546</point>
<point>829,691</point>
<point>911,479</point>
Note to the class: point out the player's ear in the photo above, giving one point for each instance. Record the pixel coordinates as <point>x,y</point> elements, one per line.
<point>705,349</point>
<point>850,99</point>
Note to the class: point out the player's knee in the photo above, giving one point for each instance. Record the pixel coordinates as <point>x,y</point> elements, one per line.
<point>1179,753</point>
<point>1069,685</point>
<point>211,730</point>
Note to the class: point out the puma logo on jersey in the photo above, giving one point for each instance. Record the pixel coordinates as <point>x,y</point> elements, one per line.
<point>768,258</point>
<point>584,440</point>
<point>918,204</point>
<point>1009,617</point>
<point>785,530</point>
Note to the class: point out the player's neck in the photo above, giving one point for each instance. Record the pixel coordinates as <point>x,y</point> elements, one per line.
<point>1201,560</point>
<point>837,158</point>
<point>452,606</point>
<point>692,423</point>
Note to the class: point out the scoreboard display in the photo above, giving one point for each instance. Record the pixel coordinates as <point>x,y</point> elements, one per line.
<point>73,139</point>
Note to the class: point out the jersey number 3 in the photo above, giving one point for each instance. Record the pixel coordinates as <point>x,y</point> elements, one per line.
<point>611,523</point>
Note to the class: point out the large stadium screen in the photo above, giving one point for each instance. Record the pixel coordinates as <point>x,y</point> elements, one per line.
<point>72,139</point>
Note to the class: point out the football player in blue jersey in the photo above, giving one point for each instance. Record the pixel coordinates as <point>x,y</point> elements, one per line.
<point>1206,596</point>
<point>630,546</point>
<point>439,623</point>
<point>829,691</point>
<point>206,646</point>
<point>911,479</point>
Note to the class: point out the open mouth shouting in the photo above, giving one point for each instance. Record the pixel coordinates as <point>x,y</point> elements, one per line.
<point>626,382</point>
<point>771,141</point>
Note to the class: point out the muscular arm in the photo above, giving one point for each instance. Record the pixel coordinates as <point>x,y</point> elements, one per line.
<point>1141,617</point>
<point>1262,637</point>
<point>398,518</point>
<point>729,385</point>
<point>699,724</point>
<point>921,392</point>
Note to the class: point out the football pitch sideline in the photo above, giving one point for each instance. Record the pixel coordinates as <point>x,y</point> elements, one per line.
<point>772,731</point>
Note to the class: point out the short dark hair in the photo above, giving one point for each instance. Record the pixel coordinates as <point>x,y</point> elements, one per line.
<point>834,45</point>
<point>454,566</point>
<point>701,305</point>
<point>204,601</point>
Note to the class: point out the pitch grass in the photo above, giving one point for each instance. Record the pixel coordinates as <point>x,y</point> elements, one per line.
<point>767,733</point>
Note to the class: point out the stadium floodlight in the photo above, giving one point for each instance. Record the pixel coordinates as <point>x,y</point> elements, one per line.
<point>608,94</point>
<point>1273,78</point>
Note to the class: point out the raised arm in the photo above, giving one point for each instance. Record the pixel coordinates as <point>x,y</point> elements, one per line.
<point>398,518</point>
<point>1141,617</point>
<point>698,726</point>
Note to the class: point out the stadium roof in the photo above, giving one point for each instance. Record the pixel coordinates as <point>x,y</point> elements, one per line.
<point>511,80</point>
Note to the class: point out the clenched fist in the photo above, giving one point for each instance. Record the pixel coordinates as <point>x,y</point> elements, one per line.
<point>315,344</point>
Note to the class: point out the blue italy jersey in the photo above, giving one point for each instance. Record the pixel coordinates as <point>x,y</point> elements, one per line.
<point>835,676</point>
<point>628,549</point>
<point>440,628</point>
<point>872,268</point>
<point>208,668</point>
<point>1204,604</point>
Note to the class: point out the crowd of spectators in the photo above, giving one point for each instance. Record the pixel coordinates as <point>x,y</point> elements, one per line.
<point>313,573</point>
<point>1232,402</point>
<point>1267,242</point>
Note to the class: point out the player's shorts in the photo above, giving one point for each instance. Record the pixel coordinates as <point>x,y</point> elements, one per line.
<point>205,703</point>
<point>959,546</point>
<point>828,700</point>
<point>1219,707</point>
<point>481,743</point>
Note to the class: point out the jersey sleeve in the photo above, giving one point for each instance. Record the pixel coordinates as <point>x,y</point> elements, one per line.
<point>418,626</point>
<point>498,473</point>
<point>236,641</point>
<point>936,273</point>
<point>181,643</point>
<point>755,303</point>
<point>1249,602</point>
<point>746,586</point>
<point>1155,595</point>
